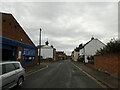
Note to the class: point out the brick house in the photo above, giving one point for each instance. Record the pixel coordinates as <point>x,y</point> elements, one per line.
<point>60,55</point>
<point>16,44</point>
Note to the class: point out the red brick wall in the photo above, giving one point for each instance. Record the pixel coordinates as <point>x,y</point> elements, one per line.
<point>0,25</point>
<point>12,30</point>
<point>108,62</point>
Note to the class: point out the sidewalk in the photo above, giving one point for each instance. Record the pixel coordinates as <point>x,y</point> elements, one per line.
<point>35,67</point>
<point>104,78</point>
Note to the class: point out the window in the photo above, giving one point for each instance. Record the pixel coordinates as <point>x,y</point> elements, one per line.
<point>17,66</point>
<point>9,67</point>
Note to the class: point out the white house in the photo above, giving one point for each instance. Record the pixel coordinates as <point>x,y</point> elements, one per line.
<point>90,48</point>
<point>75,54</point>
<point>48,52</point>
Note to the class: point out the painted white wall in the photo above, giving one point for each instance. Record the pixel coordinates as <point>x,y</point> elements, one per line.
<point>75,56</point>
<point>92,47</point>
<point>81,52</point>
<point>47,52</point>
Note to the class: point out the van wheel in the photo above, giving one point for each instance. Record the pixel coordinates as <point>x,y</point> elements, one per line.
<point>20,82</point>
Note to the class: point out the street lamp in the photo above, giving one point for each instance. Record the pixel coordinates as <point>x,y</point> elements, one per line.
<point>40,46</point>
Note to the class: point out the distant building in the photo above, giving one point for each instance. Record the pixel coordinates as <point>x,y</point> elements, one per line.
<point>75,53</point>
<point>69,57</point>
<point>60,55</point>
<point>90,48</point>
<point>16,44</point>
<point>48,52</point>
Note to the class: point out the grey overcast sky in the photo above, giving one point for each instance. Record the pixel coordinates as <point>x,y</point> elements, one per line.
<point>66,24</point>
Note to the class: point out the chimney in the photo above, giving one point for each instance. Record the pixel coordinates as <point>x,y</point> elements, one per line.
<point>92,38</point>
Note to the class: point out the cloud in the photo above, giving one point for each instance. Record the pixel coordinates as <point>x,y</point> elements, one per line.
<point>66,24</point>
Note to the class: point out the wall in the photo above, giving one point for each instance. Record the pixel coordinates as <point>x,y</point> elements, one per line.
<point>47,52</point>
<point>54,54</point>
<point>12,30</point>
<point>0,24</point>
<point>81,51</point>
<point>76,55</point>
<point>108,62</point>
<point>93,46</point>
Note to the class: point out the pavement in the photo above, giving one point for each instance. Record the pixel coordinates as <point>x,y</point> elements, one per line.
<point>104,78</point>
<point>35,68</point>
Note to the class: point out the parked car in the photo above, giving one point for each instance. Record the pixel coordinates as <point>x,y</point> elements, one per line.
<point>11,74</point>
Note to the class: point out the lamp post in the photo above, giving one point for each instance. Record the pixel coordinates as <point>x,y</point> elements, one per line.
<point>40,46</point>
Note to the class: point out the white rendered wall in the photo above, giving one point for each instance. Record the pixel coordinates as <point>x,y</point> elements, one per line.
<point>47,53</point>
<point>75,56</point>
<point>92,47</point>
<point>81,52</point>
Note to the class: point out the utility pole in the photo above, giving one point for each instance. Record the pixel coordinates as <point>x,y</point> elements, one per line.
<point>40,46</point>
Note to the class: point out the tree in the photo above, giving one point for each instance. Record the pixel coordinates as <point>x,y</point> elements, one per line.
<point>112,47</point>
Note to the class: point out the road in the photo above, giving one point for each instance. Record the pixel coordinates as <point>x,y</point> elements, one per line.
<point>61,74</point>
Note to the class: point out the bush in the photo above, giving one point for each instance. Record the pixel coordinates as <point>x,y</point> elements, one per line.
<point>88,57</point>
<point>91,59</point>
<point>112,47</point>
<point>81,59</point>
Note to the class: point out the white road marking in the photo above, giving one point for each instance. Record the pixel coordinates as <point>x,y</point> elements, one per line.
<point>37,71</point>
<point>103,86</point>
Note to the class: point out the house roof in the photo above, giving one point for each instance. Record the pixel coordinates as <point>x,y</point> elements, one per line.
<point>77,49</point>
<point>91,40</point>
<point>46,47</point>
<point>60,52</point>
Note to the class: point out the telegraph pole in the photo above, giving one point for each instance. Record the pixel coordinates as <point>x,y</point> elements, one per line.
<point>40,46</point>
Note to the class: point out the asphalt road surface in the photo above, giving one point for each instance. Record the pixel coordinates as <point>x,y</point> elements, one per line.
<point>62,74</point>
